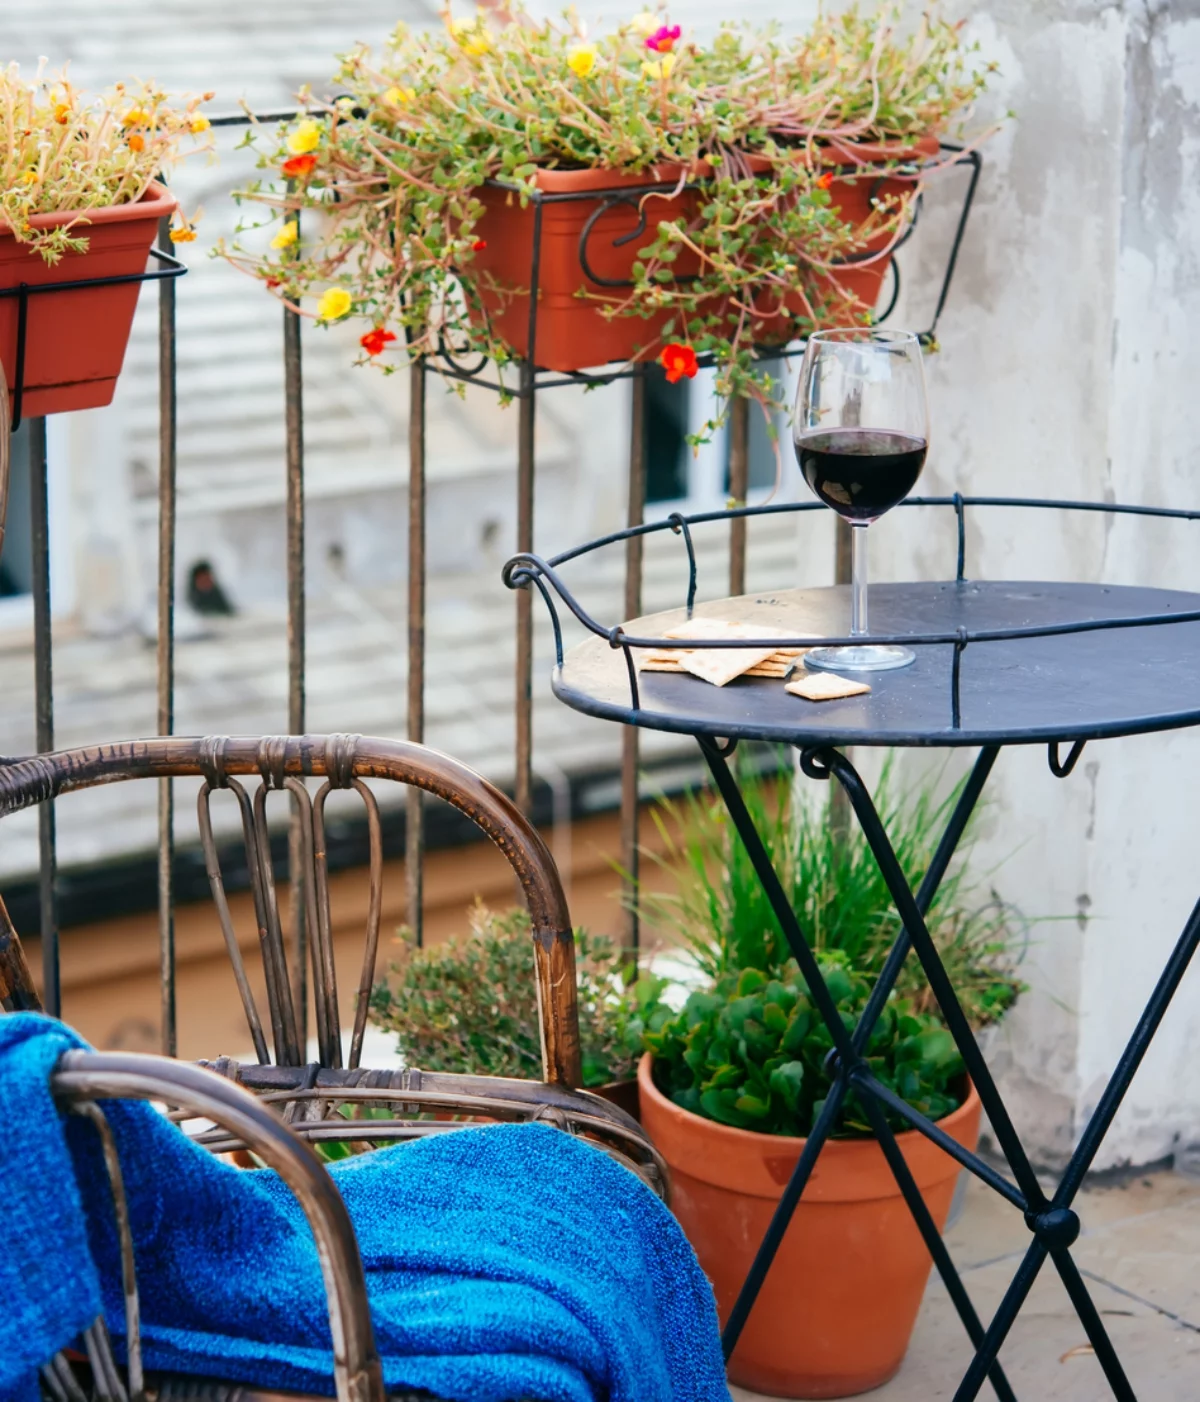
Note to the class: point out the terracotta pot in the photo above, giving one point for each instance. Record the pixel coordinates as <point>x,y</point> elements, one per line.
<point>839,1303</point>
<point>571,332</point>
<point>851,195</point>
<point>75,341</point>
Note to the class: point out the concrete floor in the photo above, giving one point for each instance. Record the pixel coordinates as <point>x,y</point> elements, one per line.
<point>1140,1255</point>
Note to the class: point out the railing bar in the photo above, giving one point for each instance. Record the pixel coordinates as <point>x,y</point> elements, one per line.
<point>525,482</point>
<point>43,675</point>
<point>294,399</point>
<point>414,822</point>
<point>165,660</point>
<point>633,607</point>
<point>739,482</point>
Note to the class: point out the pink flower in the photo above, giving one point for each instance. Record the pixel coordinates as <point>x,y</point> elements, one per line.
<point>664,39</point>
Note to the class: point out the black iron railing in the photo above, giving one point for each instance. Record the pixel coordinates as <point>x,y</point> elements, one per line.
<point>531,381</point>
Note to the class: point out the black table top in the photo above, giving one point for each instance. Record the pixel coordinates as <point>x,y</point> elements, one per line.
<point>1073,686</point>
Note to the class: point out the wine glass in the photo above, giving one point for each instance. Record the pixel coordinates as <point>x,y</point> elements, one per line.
<point>861,430</point>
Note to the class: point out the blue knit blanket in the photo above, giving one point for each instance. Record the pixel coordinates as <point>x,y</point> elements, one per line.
<point>504,1262</point>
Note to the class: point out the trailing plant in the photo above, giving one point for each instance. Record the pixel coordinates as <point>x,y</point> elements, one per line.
<point>64,151</point>
<point>754,1052</point>
<point>835,887</point>
<point>470,1005</point>
<point>752,123</point>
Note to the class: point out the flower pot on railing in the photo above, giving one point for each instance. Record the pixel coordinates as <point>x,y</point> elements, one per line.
<point>572,331</point>
<point>75,340</point>
<point>862,173</point>
<point>839,1304</point>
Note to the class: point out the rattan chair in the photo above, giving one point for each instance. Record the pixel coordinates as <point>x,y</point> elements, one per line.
<point>320,1098</point>
<point>91,1372</point>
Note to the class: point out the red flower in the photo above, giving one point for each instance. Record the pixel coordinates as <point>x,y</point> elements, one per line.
<point>679,362</point>
<point>299,166</point>
<point>664,39</point>
<point>374,341</point>
<point>479,245</point>
<point>273,282</point>
<point>825,180</point>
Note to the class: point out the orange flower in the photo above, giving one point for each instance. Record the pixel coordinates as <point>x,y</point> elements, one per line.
<point>374,341</point>
<point>186,234</point>
<point>479,245</point>
<point>825,180</point>
<point>679,362</point>
<point>136,142</point>
<point>297,167</point>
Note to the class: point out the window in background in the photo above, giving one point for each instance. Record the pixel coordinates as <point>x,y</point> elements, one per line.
<point>668,410</point>
<point>16,557</point>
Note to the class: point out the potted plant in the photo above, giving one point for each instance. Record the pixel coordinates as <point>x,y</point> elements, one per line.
<point>79,199</point>
<point>470,1005</point>
<point>700,175</point>
<point>731,1086</point>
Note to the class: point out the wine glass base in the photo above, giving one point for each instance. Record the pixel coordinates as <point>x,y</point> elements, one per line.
<point>862,657</point>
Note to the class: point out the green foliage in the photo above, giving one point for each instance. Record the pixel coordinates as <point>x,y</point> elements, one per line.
<point>752,1053</point>
<point>393,168</point>
<point>470,1005</point>
<point>835,887</point>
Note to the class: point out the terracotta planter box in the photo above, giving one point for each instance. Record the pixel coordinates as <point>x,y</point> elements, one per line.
<point>571,332</point>
<point>75,341</point>
<point>851,195</point>
<point>839,1304</point>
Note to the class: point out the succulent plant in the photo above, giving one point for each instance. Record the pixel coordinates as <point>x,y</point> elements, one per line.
<point>754,1052</point>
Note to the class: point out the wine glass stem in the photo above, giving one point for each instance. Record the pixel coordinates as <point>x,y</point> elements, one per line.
<point>858,564</point>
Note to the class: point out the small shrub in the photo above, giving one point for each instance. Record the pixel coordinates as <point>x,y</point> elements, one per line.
<point>470,1005</point>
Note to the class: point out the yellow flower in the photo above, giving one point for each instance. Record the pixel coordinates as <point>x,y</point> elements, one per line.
<point>62,113</point>
<point>394,97</point>
<point>199,124</point>
<point>184,235</point>
<point>645,23</point>
<point>135,117</point>
<point>581,61</point>
<point>659,67</point>
<point>471,36</point>
<point>30,177</point>
<point>287,235</point>
<point>306,137</point>
<point>334,304</point>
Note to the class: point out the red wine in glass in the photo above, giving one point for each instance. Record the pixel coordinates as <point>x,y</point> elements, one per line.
<point>861,432</point>
<point>861,472</point>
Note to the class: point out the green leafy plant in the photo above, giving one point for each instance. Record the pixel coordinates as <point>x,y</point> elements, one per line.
<point>63,151</point>
<point>755,122</point>
<point>753,1053</point>
<point>834,885</point>
<point>470,1005</point>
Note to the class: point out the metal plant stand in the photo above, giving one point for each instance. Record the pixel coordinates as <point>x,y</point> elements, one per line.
<point>997,665</point>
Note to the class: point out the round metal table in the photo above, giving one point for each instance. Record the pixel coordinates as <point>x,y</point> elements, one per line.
<point>998,664</point>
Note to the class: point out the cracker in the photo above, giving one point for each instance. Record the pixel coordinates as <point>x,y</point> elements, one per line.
<point>826,686</point>
<point>723,664</point>
<point>723,628</point>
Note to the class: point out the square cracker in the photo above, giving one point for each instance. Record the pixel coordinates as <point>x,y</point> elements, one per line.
<point>721,665</point>
<point>826,686</point>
